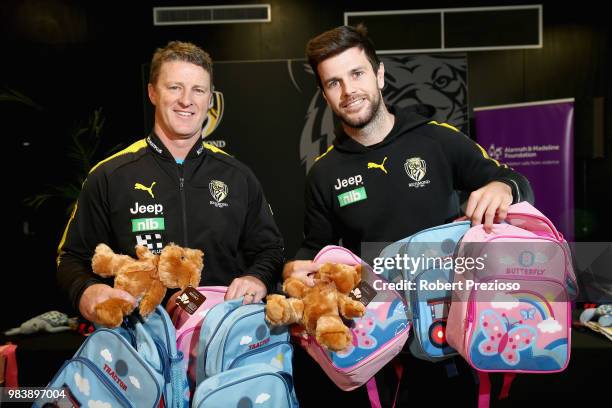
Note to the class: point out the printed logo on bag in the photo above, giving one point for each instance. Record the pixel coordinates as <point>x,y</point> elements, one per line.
<point>152,241</point>
<point>526,264</point>
<point>156,209</point>
<point>416,168</point>
<point>351,181</point>
<point>114,374</point>
<point>262,338</point>
<point>353,196</point>
<point>148,224</point>
<point>115,369</point>
<point>139,186</point>
<point>218,191</point>
<point>381,166</point>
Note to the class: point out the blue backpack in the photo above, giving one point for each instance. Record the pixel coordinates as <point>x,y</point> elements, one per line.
<point>235,335</point>
<point>248,386</point>
<point>135,365</point>
<point>236,338</point>
<point>427,307</point>
<point>162,331</point>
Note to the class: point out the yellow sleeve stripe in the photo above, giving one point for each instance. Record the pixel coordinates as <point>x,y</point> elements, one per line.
<point>215,149</point>
<point>61,244</point>
<point>327,151</point>
<point>486,156</point>
<point>483,151</point>
<point>133,148</point>
<point>446,125</point>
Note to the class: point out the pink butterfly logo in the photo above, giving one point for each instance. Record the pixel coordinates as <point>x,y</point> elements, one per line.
<point>504,338</point>
<point>361,335</point>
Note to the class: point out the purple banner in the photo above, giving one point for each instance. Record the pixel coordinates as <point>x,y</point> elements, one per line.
<point>537,140</point>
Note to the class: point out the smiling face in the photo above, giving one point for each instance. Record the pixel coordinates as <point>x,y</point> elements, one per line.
<point>181,96</point>
<point>351,87</point>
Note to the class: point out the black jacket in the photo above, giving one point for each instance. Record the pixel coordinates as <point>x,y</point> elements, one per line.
<point>141,195</point>
<point>351,196</point>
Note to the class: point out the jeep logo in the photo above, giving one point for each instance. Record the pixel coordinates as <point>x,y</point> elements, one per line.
<point>147,209</point>
<point>351,181</point>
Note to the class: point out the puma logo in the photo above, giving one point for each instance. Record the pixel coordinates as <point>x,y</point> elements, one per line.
<point>380,166</point>
<point>149,190</point>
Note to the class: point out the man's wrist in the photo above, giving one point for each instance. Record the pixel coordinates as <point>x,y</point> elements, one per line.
<point>513,188</point>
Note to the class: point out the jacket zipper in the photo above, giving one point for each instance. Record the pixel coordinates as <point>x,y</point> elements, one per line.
<point>183,205</point>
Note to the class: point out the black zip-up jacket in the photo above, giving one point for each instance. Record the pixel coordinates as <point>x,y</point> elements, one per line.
<point>141,195</point>
<point>388,191</point>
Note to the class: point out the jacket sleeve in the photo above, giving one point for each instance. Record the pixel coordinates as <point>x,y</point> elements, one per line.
<point>88,225</point>
<point>318,224</point>
<point>473,168</point>
<point>261,242</point>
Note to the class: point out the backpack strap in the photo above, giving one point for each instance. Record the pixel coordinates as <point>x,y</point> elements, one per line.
<point>484,389</point>
<point>451,368</point>
<point>505,391</point>
<point>373,391</point>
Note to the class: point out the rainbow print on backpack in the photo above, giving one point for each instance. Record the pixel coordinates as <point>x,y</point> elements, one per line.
<point>514,314</point>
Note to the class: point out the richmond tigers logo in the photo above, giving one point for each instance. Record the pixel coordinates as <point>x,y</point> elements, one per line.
<point>437,82</point>
<point>218,190</point>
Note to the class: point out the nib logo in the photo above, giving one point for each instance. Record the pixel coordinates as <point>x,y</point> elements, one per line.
<point>148,224</point>
<point>352,196</point>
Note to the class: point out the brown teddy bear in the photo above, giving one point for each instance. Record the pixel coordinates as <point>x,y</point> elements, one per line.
<point>148,276</point>
<point>318,308</point>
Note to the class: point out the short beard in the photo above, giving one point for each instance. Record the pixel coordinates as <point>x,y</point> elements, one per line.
<point>369,117</point>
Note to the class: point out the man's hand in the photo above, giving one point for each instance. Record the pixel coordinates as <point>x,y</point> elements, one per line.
<point>489,203</point>
<point>96,294</point>
<point>302,270</point>
<point>250,287</point>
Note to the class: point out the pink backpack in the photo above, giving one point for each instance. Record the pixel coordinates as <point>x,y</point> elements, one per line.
<point>188,325</point>
<point>511,310</point>
<point>378,336</point>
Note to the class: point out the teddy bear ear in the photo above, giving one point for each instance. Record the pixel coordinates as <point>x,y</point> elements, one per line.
<point>194,253</point>
<point>358,268</point>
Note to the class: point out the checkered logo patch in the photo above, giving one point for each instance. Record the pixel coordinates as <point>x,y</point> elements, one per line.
<point>151,241</point>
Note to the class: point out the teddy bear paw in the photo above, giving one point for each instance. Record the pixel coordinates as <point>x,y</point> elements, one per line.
<point>110,312</point>
<point>278,310</point>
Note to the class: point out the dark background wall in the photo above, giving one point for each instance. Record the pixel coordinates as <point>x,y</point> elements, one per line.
<point>72,57</point>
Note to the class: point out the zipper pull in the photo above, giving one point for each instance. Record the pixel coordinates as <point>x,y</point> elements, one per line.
<point>181,183</point>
